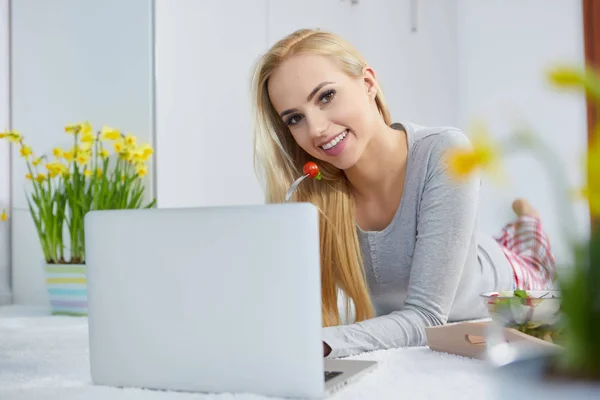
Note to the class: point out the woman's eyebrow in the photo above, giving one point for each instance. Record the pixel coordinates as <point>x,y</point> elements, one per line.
<point>309,98</point>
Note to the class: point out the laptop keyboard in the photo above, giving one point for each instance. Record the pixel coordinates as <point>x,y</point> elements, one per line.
<point>331,374</point>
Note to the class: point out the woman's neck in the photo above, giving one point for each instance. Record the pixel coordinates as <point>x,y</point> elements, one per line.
<point>382,164</point>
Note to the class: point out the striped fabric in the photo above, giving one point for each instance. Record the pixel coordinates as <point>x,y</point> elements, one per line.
<point>67,288</point>
<point>528,250</point>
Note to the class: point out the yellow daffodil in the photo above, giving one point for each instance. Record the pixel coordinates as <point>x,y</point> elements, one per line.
<point>86,146</point>
<point>130,140</point>
<point>3,135</point>
<point>572,77</point>
<point>82,157</point>
<point>567,77</point>
<point>141,170</point>
<point>58,152</point>
<point>137,156</point>
<point>87,137</point>
<point>55,169</point>
<point>109,133</point>
<point>3,216</point>
<point>69,155</point>
<point>99,173</point>
<point>104,153</point>
<point>40,178</point>
<point>73,128</point>
<point>28,176</point>
<point>86,129</point>
<point>25,151</point>
<point>126,155</point>
<point>37,161</point>
<point>88,173</point>
<point>147,152</point>
<point>13,136</point>
<point>119,146</point>
<point>462,162</point>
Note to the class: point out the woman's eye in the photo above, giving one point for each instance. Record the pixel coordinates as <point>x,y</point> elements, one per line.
<point>293,120</point>
<point>327,96</point>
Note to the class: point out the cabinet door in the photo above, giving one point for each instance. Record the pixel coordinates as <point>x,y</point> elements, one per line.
<point>286,16</point>
<point>416,68</point>
<point>205,51</point>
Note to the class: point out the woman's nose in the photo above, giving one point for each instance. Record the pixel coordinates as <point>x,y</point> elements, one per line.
<point>317,126</point>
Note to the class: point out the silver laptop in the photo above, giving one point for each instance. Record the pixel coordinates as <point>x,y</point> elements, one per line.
<point>213,300</point>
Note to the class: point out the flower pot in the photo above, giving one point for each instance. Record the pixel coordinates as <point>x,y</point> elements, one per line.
<point>67,289</point>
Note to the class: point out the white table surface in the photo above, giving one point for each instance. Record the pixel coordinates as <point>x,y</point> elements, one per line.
<point>46,357</point>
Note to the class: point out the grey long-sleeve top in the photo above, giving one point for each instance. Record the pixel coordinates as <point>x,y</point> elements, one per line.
<point>429,265</point>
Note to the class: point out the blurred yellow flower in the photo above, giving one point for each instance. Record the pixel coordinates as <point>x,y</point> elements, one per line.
<point>86,129</point>
<point>25,151</point>
<point>13,136</point>
<point>58,152</point>
<point>130,140</point>
<point>86,146</point>
<point>69,155</point>
<point>72,128</point>
<point>99,173</point>
<point>110,133</point>
<point>104,153</point>
<point>147,150</point>
<point>3,216</point>
<point>40,178</point>
<point>126,154</point>
<point>567,77</point>
<point>88,172</point>
<point>37,161</point>
<point>28,176</point>
<point>119,146</point>
<point>82,157</point>
<point>574,77</point>
<point>462,162</point>
<point>141,170</point>
<point>87,137</point>
<point>56,168</point>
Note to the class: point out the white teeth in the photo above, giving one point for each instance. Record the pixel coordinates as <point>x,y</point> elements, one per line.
<point>335,141</point>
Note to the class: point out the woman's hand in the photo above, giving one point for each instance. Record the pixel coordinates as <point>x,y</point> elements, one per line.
<point>326,349</point>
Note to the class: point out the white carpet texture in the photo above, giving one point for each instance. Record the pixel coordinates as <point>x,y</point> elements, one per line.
<point>45,357</point>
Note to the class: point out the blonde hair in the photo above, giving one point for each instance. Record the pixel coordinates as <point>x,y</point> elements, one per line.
<point>279,161</point>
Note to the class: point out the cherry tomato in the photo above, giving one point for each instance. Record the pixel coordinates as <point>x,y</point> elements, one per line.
<point>311,169</point>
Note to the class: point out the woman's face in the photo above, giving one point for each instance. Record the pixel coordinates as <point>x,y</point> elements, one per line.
<point>331,115</point>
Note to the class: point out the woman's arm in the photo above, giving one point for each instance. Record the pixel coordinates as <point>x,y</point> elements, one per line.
<point>446,223</point>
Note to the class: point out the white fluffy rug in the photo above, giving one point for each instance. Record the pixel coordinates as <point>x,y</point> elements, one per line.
<point>45,357</point>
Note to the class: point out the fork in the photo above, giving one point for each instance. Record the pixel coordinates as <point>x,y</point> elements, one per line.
<point>294,186</point>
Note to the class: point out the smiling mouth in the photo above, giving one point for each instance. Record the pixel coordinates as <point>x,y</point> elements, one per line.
<point>335,141</point>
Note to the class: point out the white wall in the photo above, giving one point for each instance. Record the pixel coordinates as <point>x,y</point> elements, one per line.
<point>504,49</point>
<point>204,57</point>
<point>5,293</point>
<point>73,60</point>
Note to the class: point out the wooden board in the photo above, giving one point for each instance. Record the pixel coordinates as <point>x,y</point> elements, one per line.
<point>467,339</point>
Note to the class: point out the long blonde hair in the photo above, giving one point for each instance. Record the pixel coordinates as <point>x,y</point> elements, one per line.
<point>279,161</point>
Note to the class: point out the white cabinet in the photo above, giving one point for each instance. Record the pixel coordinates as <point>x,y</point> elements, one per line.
<point>204,54</point>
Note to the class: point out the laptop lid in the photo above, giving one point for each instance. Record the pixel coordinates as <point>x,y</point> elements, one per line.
<point>212,299</point>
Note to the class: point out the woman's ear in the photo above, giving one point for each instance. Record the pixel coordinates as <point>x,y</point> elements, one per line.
<point>370,82</point>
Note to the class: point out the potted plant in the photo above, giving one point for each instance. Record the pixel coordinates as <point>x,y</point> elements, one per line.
<point>101,171</point>
<point>573,368</point>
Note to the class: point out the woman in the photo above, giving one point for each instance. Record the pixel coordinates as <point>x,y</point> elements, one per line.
<point>398,234</point>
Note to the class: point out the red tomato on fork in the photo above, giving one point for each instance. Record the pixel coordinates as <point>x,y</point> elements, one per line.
<point>312,170</point>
